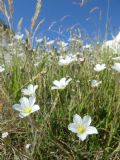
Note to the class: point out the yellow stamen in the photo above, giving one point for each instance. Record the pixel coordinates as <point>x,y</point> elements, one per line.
<point>27,110</point>
<point>81,129</point>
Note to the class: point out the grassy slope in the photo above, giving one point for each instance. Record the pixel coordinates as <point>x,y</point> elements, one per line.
<point>47,129</point>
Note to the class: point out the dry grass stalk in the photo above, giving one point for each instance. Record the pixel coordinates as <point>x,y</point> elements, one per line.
<point>36,14</point>
<point>37,27</point>
<point>10,3</point>
<point>7,12</point>
<point>19,24</point>
<point>1,7</point>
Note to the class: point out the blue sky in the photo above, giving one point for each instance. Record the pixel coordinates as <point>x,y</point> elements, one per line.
<point>54,10</point>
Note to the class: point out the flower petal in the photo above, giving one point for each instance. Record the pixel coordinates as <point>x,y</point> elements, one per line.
<point>24,101</point>
<point>62,81</point>
<point>22,115</point>
<point>35,108</point>
<point>77,119</point>
<point>35,87</point>
<point>68,80</point>
<point>87,120</point>
<point>17,107</point>
<point>30,88</point>
<point>56,83</point>
<point>82,137</point>
<point>91,130</point>
<point>25,91</point>
<point>32,101</point>
<point>72,127</point>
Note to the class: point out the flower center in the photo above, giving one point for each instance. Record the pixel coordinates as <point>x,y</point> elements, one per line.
<point>27,110</point>
<point>81,129</point>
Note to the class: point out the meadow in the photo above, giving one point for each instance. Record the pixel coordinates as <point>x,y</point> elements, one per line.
<point>64,111</point>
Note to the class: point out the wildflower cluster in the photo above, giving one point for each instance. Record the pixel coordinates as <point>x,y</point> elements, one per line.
<point>27,104</point>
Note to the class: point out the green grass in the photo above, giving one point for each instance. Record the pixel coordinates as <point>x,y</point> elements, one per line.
<point>47,129</point>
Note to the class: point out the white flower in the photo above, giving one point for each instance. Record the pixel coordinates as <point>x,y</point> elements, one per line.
<point>116,67</point>
<point>2,68</point>
<point>82,127</point>
<point>26,106</point>
<point>30,90</point>
<point>114,44</point>
<point>40,40</point>
<point>4,135</point>
<point>28,146</point>
<point>19,36</point>
<point>116,58</point>
<point>67,60</point>
<point>64,61</point>
<point>99,67</point>
<point>95,83</point>
<point>81,59</point>
<point>109,43</point>
<point>60,84</point>
<point>50,42</point>
<point>87,46</point>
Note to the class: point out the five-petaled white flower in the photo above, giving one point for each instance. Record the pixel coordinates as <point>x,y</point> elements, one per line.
<point>61,84</point>
<point>26,106</point>
<point>95,83</point>
<point>4,135</point>
<point>82,127</point>
<point>19,36</point>
<point>67,60</point>
<point>30,90</point>
<point>116,67</point>
<point>99,67</point>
